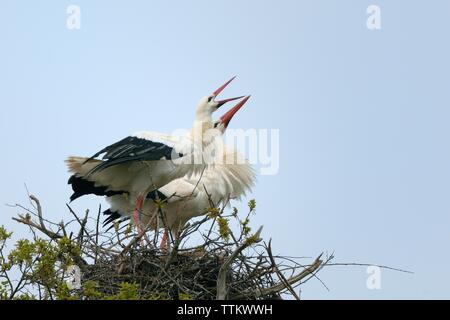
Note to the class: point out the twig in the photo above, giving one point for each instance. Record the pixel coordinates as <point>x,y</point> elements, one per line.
<point>39,211</point>
<point>280,275</point>
<point>97,232</point>
<point>222,277</point>
<point>281,286</point>
<point>340,264</point>
<point>29,222</point>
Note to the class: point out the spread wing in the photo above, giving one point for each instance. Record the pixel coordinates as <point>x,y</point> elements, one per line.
<point>146,146</point>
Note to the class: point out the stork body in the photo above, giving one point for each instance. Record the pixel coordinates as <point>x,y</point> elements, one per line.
<point>146,161</point>
<point>189,197</point>
<point>230,177</point>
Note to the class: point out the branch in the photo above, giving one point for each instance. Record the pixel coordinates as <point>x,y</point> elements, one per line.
<point>280,275</point>
<point>281,286</point>
<point>222,277</point>
<point>39,211</point>
<point>27,221</point>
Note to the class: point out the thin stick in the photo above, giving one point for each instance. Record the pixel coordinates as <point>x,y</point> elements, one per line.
<point>222,277</point>
<point>280,275</point>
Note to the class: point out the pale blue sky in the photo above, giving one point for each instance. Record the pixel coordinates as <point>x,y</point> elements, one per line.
<point>363,115</point>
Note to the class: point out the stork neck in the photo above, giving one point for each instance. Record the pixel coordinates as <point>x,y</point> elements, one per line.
<point>203,122</point>
<point>199,128</point>
<point>203,115</point>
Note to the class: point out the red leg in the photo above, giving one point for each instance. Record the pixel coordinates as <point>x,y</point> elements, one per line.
<point>137,213</point>
<point>165,240</point>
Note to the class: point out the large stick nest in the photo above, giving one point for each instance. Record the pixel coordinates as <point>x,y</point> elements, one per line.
<point>217,257</point>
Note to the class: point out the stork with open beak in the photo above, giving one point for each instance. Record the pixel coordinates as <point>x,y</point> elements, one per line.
<point>146,160</point>
<point>189,197</point>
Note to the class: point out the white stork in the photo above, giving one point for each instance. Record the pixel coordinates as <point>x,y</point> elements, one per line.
<point>145,161</point>
<point>189,197</point>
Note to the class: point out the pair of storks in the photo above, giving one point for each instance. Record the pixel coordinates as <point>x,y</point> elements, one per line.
<point>150,173</point>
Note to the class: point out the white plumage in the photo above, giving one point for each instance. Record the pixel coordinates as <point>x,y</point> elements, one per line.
<point>230,177</point>
<point>146,161</point>
<point>189,197</point>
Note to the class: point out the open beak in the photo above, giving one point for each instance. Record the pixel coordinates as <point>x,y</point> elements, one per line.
<point>226,118</point>
<point>218,91</point>
<point>222,102</point>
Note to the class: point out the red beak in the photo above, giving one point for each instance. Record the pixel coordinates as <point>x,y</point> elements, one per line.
<point>222,102</point>
<point>226,118</point>
<point>218,91</point>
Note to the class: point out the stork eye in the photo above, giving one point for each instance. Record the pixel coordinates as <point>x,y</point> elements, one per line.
<point>216,124</point>
<point>209,99</point>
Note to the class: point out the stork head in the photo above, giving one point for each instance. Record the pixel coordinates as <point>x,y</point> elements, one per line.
<point>213,142</point>
<point>224,121</point>
<point>207,105</point>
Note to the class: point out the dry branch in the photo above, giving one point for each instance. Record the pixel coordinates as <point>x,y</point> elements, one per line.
<point>222,289</point>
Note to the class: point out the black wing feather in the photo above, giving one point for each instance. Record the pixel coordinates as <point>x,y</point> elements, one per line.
<point>133,149</point>
<point>83,187</point>
<point>112,217</point>
<point>156,194</point>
